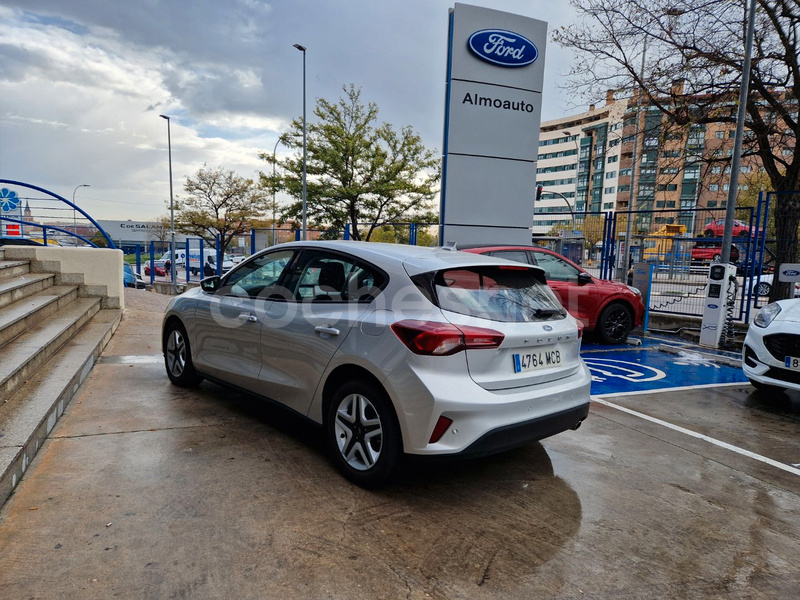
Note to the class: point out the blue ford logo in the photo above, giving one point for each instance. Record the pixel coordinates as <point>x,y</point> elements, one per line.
<point>791,273</point>
<point>504,48</point>
<point>713,306</point>
<point>547,328</point>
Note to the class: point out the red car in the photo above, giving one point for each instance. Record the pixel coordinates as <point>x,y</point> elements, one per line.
<point>159,269</point>
<point>608,308</point>
<point>704,252</point>
<point>717,228</point>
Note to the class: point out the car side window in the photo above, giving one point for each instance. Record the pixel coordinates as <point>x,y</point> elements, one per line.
<point>515,255</point>
<point>330,277</point>
<point>259,276</point>
<point>555,268</point>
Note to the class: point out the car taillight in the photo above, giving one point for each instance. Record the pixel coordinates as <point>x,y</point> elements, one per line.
<point>443,339</point>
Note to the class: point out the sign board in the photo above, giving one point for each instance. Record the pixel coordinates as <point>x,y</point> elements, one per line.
<point>138,231</point>
<point>789,272</point>
<point>495,77</point>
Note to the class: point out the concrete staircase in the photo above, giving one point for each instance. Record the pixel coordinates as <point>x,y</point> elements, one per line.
<point>50,337</point>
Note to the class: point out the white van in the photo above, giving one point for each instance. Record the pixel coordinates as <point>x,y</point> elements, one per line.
<point>180,257</point>
<point>208,264</point>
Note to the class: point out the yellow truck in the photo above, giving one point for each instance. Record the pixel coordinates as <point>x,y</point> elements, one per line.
<point>658,245</point>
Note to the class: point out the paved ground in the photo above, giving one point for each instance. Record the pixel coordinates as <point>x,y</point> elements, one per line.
<point>148,491</point>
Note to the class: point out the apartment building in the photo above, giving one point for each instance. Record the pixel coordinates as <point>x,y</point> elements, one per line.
<point>579,165</point>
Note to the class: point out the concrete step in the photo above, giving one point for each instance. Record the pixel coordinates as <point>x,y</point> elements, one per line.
<point>12,268</point>
<point>28,416</point>
<point>21,286</point>
<point>20,358</point>
<point>24,314</point>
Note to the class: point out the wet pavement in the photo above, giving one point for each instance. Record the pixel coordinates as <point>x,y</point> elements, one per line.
<point>145,490</point>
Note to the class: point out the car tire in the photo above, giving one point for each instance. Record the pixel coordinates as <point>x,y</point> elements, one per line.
<point>765,387</point>
<point>762,289</point>
<point>615,323</point>
<point>362,433</point>
<point>178,356</point>
<point>743,233</point>
<point>708,233</point>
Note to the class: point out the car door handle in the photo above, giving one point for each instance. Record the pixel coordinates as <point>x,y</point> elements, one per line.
<point>328,330</point>
<point>247,317</point>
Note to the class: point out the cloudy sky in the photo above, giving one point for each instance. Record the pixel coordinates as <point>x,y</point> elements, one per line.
<point>82,83</point>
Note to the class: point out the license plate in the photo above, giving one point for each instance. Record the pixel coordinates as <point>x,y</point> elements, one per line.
<point>792,362</point>
<point>532,361</point>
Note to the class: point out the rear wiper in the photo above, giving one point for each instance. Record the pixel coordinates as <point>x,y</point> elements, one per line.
<point>546,312</point>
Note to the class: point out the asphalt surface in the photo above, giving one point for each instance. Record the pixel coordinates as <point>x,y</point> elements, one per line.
<point>145,490</point>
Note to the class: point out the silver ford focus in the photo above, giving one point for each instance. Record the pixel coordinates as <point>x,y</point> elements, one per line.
<point>393,349</point>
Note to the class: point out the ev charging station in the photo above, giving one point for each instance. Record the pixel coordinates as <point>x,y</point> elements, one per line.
<point>720,292</point>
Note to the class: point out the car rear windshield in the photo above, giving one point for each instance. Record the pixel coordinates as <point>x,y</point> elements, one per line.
<point>497,293</point>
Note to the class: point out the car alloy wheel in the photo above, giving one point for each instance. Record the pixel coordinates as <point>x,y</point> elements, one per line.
<point>615,323</point>
<point>716,258</point>
<point>362,434</point>
<point>764,289</point>
<point>178,357</point>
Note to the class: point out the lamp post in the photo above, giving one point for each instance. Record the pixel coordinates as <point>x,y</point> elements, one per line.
<point>74,214</point>
<point>744,92</point>
<point>569,206</point>
<point>305,156</point>
<point>171,212</point>
<point>274,150</point>
<point>569,134</point>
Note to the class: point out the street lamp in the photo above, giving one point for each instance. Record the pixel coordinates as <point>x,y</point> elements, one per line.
<point>305,156</point>
<point>274,150</point>
<point>569,134</point>
<point>171,212</point>
<point>74,215</point>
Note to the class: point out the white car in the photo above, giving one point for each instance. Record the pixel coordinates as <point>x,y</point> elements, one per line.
<point>392,349</point>
<point>764,286</point>
<point>771,352</point>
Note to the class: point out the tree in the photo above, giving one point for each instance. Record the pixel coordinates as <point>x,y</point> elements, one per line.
<point>695,53</point>
<point>161,232</point>
<point>359,172</point>
<point>219,202</point>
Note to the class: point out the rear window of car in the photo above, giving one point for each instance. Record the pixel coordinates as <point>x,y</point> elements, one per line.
<point>497,293</point>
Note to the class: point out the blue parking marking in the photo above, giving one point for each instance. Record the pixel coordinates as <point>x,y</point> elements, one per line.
<point>618,369</point>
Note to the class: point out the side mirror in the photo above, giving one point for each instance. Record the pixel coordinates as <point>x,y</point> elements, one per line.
<point>584,278</point>
<point>210,284</point>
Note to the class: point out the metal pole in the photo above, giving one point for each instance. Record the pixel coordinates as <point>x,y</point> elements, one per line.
<point>74,213</point>
<point>305,133</point>
<point>172,213</point>
<point>730,208</point>
<point>274,150</point>
<point>569,206</point>
<point>622,271</point>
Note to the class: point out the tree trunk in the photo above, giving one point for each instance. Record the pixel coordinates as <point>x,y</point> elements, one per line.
<point>787,220</point>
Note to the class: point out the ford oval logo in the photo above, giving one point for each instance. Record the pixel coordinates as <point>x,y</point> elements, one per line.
<point>504,48</point>
<point>714,306</point>
<point>791,273</point>
<point>547,328</point>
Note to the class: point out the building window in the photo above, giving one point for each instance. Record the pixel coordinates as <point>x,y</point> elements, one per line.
<point>608,205</point>
<point>671,154</point>
<point>712,203</point>
<point>614,142</point>
<point>714,187</point>
<point>716,170</point>
<point>624,188</point>
<point>609,190</point>
<point>670,171</point>
<point>786,152</point>
<point>726,187</point>
<point>668,187</point>
<point>720,135</point>
<point>624,172</point>
<point>613,159</point>
<point>670,203</point>
<point>611,174</point>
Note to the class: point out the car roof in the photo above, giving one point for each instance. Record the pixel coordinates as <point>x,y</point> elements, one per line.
<point>415,259</point>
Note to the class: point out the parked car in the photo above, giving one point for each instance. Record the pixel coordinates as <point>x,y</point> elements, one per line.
<point>392,349</point>
<point>771,351</point>
<point>608,308</point>
<point>131,278</point>
<point>159,268</point>
<point>763,286</point>
<point>708,252</point>
<point>716,228</point>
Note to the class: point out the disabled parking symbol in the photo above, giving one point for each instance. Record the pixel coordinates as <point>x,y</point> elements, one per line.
<point>609,368</point>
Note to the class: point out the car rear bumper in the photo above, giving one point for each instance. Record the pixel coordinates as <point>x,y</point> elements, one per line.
<point>483,421</point>
<point>518,434</point>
